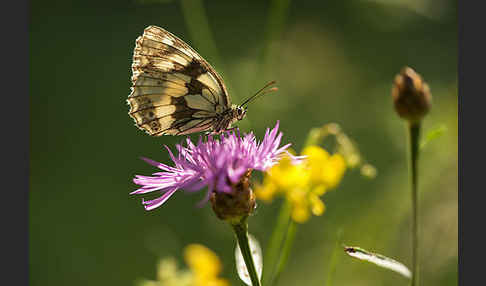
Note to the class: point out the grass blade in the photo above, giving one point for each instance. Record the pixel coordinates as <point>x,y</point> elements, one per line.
<point>378,260</point>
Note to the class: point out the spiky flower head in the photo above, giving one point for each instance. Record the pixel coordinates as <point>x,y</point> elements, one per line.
<point>216,163</point>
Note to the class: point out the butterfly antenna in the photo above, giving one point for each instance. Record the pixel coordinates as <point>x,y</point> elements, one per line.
<point>261,92</point>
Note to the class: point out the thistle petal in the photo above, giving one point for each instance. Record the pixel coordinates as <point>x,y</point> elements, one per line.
<point>216,163</point>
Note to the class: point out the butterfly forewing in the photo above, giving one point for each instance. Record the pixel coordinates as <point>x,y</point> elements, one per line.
<point>174,90</point>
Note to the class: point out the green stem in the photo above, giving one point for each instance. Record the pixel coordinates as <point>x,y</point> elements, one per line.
<point>414,136</point>
<point>276,240</point>
<point>289,241</point>
<point>333,262</point>
<point>274,27</point>
<point>241,231</point>
<point>200,31</point>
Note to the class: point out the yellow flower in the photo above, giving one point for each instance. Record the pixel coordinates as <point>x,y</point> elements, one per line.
<point>169,275</point>
<point>317,206</point>
<point>303,184</point>
<point>288,175</point>
<point>304,203</point>
<point>300,212</point>
<point>282,177</point>
<point>205,266</point>
<point>267,191</point>
<point>325,169</point>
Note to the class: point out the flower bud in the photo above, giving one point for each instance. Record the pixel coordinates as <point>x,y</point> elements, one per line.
<point>411,95</point>
<point>237,205</point>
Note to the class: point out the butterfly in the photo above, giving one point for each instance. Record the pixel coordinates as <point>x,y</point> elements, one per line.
<point>176,92</point>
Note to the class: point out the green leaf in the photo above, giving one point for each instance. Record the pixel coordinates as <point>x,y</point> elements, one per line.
<point>432,135</point>
<point>378,259</point>
<point>256,253</point>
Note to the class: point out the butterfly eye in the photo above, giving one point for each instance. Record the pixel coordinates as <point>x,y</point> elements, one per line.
<point>240,113</point>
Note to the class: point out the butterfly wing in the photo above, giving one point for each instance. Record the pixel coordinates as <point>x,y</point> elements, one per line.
<point>174,90</point>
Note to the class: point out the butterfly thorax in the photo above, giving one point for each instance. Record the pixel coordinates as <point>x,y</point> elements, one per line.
<point>228,117</point>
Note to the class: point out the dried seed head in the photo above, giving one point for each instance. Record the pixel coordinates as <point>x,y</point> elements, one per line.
<point>237,205</point>
<point>411,95</point>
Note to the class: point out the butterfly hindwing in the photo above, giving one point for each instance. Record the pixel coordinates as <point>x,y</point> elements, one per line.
<point>174,90</point>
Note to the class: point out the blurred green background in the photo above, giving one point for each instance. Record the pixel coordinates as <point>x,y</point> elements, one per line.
<point>334,61</point>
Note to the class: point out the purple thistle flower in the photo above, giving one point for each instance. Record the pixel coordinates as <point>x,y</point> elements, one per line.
<point>214,163</point>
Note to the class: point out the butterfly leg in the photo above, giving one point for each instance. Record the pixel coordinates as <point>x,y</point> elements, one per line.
<point>214,132</point>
